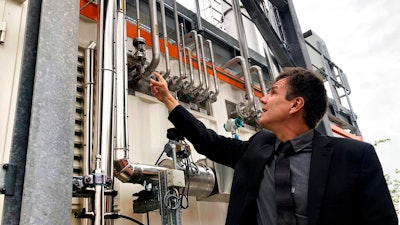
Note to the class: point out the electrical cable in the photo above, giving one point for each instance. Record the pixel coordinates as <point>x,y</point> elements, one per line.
<point>159,158</point>
<point>148,218</point>
<point>130,218</point>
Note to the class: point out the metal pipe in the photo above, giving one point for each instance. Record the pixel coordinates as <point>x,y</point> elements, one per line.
<point>213,96</point>
<point>129,172</point>
<point>165,38</point>
<point>88,108</point>
<point>184,52</point>
<point>105,85</point>
<point>88,115</point>
<point>256,69</point>
<point>188,85</point>
<point>138,17</point>
<point>198,13</point>
<point>104,100</point>
<point>192,35</point>
<point>178,41</point>
<point>121,77</point>
<point>244,50</point>
<point>246,109</point>
<point>99,204</point>
<point>203,60</point>
<point>154,40</point>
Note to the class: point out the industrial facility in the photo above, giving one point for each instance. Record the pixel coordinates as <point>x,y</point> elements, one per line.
<point>83,140</point>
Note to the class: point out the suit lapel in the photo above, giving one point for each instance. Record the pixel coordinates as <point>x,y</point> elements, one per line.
<point>319,169</point>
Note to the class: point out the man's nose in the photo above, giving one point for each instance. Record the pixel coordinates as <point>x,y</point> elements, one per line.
<point>264,99</point>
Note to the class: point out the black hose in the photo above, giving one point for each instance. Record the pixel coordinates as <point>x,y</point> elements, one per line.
<point>130,218</point>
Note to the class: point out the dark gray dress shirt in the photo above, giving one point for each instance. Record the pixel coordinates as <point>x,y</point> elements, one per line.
<point>300,169</point>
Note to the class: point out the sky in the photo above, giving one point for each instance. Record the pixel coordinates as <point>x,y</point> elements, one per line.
<point>363,39</point>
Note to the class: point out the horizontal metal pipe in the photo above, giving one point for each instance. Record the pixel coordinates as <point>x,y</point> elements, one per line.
<point>129,172</point>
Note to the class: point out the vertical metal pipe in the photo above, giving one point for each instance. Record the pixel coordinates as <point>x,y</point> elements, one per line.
<point>199,23</point>
<point>138,17</point>
<point>88,116</point>
<point>165,37</point>
<point>104,90</point>
<point>203,61</point>
<point>88,108</point>
<point>244,52</point>
<point>51,132</point>
<point>20,135</point>
<point>99,203</point>
<point>216,81</point>
<point>178,42</point>
<point>193,34</point>
<point>241,32</point>
<point>191,76</point>
<point>154,40</point>
<point>120,92</point>
<point>258,71</point>
<point>105,81</point>
<point>184,52</point>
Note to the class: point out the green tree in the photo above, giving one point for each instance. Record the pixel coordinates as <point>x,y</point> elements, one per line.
<point>394,188</point>
<point>392,181</point>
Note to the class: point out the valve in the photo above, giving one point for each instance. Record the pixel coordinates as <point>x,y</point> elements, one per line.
<point>232,125</point>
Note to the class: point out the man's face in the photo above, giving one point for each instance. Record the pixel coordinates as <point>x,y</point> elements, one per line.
<point>276,108</point>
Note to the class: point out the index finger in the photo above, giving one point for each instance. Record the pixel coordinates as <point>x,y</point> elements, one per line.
<point>158,76</point>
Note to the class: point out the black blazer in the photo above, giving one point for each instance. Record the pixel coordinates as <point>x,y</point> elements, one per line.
<point>346,182</point>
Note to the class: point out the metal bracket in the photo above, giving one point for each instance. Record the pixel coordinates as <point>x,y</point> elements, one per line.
<point>7,179</point>
<point>3,26</point>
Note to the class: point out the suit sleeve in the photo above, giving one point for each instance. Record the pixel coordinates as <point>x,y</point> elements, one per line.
<point>376,202</point>
<point>218,148</point>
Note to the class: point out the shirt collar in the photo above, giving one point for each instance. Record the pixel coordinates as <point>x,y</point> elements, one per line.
<point>300,142</point>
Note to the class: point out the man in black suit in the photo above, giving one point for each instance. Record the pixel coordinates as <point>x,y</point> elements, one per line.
<point>333,181</point>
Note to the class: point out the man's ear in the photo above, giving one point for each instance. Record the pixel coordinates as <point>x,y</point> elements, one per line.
<point>297,104</point>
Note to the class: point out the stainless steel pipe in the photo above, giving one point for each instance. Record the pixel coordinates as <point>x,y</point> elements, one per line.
<point>213,95</point>
<point>203,61</point>
<point>154,40</point>
<point>256,69</point>
<point>165,38</point>
<point>120,128</point>
<point>243,109</point>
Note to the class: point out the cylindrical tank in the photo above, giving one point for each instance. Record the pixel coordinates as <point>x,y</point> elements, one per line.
<point>199,179</point>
